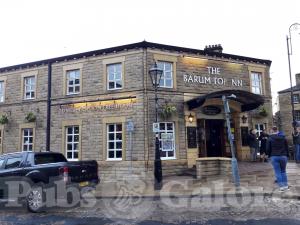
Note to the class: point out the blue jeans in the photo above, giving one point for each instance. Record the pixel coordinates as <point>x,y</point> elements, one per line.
<point>279,166</point>
<point>297,152</point>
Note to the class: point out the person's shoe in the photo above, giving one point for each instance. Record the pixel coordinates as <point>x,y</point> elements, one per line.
<point>282,189</point>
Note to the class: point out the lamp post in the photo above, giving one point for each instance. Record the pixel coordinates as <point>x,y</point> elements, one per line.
<point>155,75</point>
<point>290,51</point>
<point>234,164</point>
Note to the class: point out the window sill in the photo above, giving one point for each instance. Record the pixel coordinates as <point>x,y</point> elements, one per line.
<point>169,158</point>
<point>113,160</point>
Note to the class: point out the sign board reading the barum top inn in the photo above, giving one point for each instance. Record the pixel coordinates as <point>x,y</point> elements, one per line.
<point>212,78</point>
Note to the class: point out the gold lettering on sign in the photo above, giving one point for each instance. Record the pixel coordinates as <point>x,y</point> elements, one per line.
<point>106,105</point>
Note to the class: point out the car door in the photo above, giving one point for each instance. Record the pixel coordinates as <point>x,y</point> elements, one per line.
<point>11,172</point>
<point>1,185</point>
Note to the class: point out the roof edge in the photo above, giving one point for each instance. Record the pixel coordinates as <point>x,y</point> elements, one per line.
<point>143,44</point>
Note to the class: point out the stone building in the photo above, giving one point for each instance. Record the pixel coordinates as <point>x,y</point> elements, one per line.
<point>84,105</point>
<point>284,115</point>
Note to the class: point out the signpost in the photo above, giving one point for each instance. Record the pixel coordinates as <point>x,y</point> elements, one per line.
<point>130,129</point>
<point>234,165</point>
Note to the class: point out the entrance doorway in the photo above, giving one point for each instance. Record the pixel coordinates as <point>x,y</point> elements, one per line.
<point>214,130</point>
<point>211,137</point>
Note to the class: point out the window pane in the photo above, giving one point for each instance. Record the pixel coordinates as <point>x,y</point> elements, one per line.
<point>111,145</point>
<point>168,83</point>
<point>119,154</point>
<point>76,138</point>
<point>119,127</point>
<point>69,147</point>
<point>70,130</point>
<point>76,130</point>
<point>119,136</point>
<point>111,85</point>
<point>75,155</point>
<point>69,155</point>
<point>111,137</point>
<point>118,145</point>
<point>111,127</point>
<point>111,154</point>
<point>69,138</point>
<point>118,84</point>
<point>110,76</point>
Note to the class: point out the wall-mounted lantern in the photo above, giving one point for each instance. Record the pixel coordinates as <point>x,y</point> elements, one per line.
<point>190,118</point>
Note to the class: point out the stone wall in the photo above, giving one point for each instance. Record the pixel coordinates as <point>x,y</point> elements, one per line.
<point>213,166</point>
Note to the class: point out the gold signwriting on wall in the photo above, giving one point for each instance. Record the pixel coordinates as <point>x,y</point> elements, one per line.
<point>105,105</point>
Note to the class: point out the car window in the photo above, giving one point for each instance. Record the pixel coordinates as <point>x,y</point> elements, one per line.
<point>48,158</point>
<point>13,162</point>
<point>1,163</point>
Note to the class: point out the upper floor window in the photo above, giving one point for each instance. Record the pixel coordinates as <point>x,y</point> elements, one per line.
<point>73,82</point>
<point>114,76</point>
<point>2,91</point>
<point>296,98</point>
<point>256,83</point>
<point>166,80</point>
<point>29,87</point>
<point>27,139</point>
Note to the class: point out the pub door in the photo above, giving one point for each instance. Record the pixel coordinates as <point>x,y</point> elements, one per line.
<point>214,130</point>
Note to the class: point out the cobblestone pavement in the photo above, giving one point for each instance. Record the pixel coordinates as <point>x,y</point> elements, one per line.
<point>194,210</point>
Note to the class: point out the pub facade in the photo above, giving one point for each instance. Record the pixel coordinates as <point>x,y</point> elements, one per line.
<point>101,105</point>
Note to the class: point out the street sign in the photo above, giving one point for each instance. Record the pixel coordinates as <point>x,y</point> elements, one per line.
<point>155,127</point>
<point>129,126</point>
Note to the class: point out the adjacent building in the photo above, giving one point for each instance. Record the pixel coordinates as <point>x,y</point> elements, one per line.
<point>284,114</point>
<point>100,105</point>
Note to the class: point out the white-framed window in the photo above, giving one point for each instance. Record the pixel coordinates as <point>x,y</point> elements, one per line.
<point>2,91</point>
<point>296,98</point>
<point>114,141</point>
<point>73,82</point>
<point>114,76</point>
<point>167,140</point>
<point>29,87</point>
<point>72,142</point>
<point>256,83</point>
<point>27,139</point>
<point>259,127</point>
<point>297,115</point>
<point>166,80</point>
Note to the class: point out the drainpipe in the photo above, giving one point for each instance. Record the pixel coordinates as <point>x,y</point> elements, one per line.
<point>49,107</point>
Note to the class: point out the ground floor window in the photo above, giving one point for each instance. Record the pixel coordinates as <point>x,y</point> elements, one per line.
<point>27,139</point>
<point>297,115</point>
<point>114,141</point>
<point>72,143</point>
<point>259,127</point>
<point>167,140</point>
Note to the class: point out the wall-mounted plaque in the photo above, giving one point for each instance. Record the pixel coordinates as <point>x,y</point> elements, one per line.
<point>211,110</point>
<point>192,137</point>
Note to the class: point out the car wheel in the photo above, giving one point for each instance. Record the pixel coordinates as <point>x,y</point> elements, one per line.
<point>35,199</point>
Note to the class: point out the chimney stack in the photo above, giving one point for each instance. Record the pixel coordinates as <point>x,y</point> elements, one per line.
<point>213,48</point>
<point>297,76</point>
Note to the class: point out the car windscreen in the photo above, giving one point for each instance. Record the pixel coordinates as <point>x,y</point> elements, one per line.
<point>48,158</point>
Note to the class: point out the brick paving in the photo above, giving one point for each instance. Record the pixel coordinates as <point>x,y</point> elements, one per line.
<point>255,178</point>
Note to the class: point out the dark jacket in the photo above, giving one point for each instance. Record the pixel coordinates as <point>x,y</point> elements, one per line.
<point>263,142</point>
<point>296,138</point>
<point>277,145</point>
<point>252,141</point>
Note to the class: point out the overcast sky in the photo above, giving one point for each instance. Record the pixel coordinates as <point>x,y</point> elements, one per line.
<point>39,29</point>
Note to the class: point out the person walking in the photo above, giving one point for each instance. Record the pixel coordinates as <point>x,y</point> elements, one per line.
<point>263,145</point>
<point>296,141</point>
<point>253,144</point>
<point>277,150</point>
